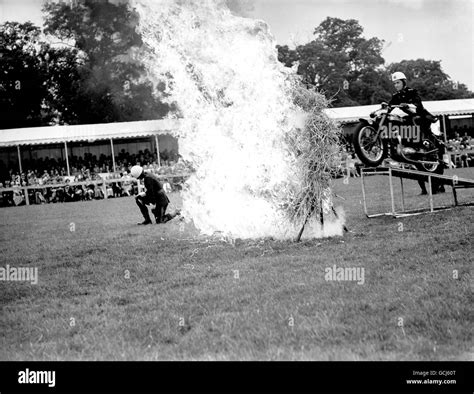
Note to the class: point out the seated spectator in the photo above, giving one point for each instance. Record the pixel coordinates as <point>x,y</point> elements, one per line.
<point>127,183</point>
<point>89,192</point>
<point>351,168</point>
<point>116,190</point>
<point>50,171</point>
<point>59,195</point>
<point>98,193</point>
<point>18,197</point>
<point>167,186</point>
<point>45,178</point>
<point>79,193</point>
<point>109,189</point>
<point>39,197</point>
<point>465,160</point>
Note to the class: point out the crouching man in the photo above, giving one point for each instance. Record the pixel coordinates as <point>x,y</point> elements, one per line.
<point>154,194</point>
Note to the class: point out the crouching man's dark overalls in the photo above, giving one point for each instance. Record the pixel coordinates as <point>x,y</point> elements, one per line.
<point>154,195</point>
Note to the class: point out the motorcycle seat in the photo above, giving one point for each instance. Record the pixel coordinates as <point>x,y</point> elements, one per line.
<point>431,118</point>
<point>418,119</point>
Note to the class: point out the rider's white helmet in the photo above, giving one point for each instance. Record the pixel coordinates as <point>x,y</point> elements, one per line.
<point>136,171</point>
<point>396,76</point>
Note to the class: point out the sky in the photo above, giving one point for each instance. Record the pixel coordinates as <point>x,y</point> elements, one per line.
<point>412,29</point>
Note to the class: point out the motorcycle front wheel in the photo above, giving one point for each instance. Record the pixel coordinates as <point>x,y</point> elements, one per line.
<point>370,148</point>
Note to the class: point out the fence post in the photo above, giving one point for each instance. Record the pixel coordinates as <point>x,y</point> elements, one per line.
<point>27,198</point>
<point>430,193</point>
<point>105,189</point>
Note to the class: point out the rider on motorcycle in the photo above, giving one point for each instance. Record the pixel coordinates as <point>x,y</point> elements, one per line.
<point>404,96</point>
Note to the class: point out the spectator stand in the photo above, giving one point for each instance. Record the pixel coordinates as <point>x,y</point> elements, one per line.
<point>461,152</point>
<point>53,160</point>
<point>22,193</point>
<point>88,136</point>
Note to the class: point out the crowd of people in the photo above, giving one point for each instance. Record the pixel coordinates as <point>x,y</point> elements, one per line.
<point>461,149</point>
<point>89,168</point>
<point>86,170</point>
<point>350,165</point>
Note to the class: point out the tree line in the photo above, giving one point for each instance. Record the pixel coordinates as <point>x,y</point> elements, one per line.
<point>350,69</point>
<point>81,68</point>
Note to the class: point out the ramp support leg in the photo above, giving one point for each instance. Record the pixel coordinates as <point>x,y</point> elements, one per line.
<point>403,195</point>
<point>430,193</point>
<point>363,192</point>
<point>391,190</point>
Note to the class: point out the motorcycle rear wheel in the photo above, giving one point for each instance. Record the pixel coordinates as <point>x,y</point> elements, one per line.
<point>437,168</point>
<point>436,185</point>
<point>433,168</point>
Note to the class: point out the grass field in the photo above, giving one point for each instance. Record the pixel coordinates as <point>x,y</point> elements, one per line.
<point>111,290</point>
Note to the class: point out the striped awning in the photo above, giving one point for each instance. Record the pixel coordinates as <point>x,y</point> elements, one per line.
<point>146,128</point>
<point>90,133</point>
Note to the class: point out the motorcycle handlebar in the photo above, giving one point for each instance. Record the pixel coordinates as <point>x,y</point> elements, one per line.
<point>395,106</point>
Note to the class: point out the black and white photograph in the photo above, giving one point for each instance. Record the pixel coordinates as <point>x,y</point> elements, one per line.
<point>218,181</point>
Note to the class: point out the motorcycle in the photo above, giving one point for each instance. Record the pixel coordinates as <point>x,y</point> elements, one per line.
<point>392,131</point>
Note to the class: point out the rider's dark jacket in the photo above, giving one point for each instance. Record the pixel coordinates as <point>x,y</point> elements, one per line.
<point>408,96</point>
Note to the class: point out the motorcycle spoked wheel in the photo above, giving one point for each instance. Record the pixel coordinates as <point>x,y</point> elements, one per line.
<point>370,149</point>
<point>437,168</point>
<point>433,168</point>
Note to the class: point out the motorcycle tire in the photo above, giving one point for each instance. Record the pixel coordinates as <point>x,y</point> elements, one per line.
<point>434,169</point>
<point>359,145</point>
<point>436,186</point>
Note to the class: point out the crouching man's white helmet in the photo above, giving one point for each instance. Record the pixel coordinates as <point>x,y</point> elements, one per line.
<point>136,171</point>
<point>396,76</point>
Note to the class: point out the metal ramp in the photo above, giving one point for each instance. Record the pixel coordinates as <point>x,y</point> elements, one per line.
<point>454,182</point>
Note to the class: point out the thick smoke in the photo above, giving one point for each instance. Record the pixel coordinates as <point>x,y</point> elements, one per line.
<point>240,7</point>
<point>236,107</point>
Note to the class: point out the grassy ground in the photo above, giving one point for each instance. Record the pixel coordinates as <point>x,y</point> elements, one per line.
<point>111,290</point>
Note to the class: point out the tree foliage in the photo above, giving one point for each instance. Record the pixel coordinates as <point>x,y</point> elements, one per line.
<point>83,72</point>
<point>23,75</point>
<point>350,68</point>
<point>430,80</point>
<point>340,62</point>
<point>109,84</point>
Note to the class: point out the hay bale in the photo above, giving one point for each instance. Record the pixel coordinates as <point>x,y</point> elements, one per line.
<point>315,149</point>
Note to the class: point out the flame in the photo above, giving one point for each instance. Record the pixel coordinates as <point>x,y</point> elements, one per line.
<point>234,100</point>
